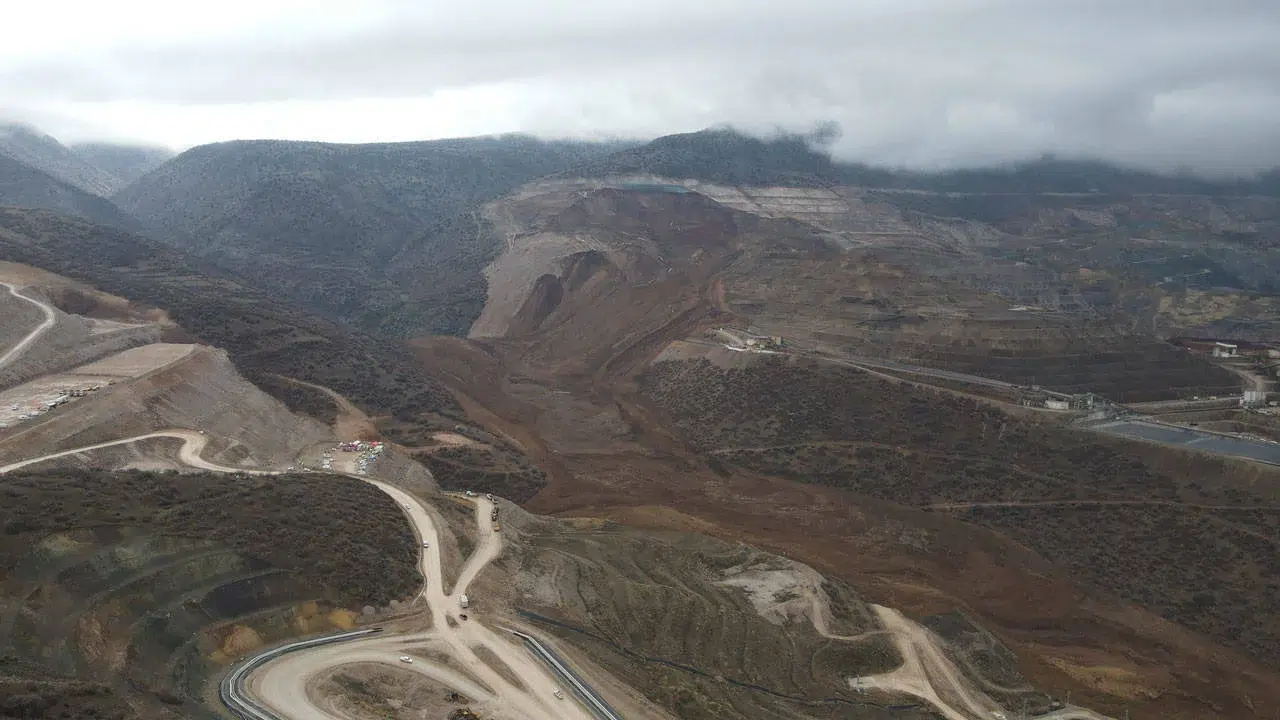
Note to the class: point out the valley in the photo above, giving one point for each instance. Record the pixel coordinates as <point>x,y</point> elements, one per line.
<point>504,428</point>
<point>166,556</point>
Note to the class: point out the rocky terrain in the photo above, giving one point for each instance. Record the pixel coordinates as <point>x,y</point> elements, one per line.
<point>670,348</point>
<point>576,356</point>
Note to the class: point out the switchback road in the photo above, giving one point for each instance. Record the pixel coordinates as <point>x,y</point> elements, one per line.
<point>515,685</point>
<point>192,445</point>
<point>50,317</point>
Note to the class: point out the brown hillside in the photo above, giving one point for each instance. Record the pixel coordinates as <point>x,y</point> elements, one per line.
<point>818,461</point>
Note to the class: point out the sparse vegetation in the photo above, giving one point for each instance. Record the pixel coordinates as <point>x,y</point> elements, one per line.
<point>263,336</point>
<point>653,611</point>
<point>380,236</point>
<point>356,550</point>
<point>484,470</point>
<point>41,697</point>
<point>156,568</point>
<point>1214,571</point>
<point>1211,570</point>
<point>837,426</point>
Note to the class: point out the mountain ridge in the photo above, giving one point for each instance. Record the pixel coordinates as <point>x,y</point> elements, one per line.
<point>43,152</point>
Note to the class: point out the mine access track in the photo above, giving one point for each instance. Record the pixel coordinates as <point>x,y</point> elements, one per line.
<point>231,690</point>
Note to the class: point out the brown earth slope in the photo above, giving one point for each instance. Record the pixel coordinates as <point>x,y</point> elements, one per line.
<point>565,375</point>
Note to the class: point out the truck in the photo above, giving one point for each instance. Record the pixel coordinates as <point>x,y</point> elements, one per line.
<point>463,601</point>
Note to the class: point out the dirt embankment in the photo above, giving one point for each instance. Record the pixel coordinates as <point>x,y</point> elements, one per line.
<point>702,627</point>
<point>74,340</point>
<point>201,391</point>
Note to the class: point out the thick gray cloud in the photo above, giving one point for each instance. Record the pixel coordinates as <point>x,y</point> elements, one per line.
<point>922,83</point>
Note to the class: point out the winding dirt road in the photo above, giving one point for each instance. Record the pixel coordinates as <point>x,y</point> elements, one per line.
<point>523,689</point>
<point>50,317</point>
<point>520,689</point>
<point>193,444</point>
<point>926,672</point>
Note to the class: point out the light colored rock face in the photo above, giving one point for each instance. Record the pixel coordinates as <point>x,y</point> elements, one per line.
<point>781,591</point>
<point>512,276</point>
<point>532,251</point>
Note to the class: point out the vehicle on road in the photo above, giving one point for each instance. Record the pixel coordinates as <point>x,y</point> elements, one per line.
<point>426,544</point>
<point>489,496</point>
<point>471,493</point>
<point>463,601</point>
<point>406,659</point>
<point>497,527</point>
<point>558,694</point>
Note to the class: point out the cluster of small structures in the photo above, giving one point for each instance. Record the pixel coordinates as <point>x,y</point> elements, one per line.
<point>30,407</point>
<point>1036,396</point>
<point>368,452</point>
<point>748,340</point>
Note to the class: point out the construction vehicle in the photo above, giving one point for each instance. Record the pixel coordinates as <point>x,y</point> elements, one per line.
<point>463,601</point>
<point>497,527</point>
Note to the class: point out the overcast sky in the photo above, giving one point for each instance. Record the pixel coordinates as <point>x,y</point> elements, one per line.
<point>922,83</point>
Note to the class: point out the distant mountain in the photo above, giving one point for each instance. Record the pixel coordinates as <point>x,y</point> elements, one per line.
<point>125,162</point>
<point>24,186</point>
<point>42,152</point>
<point>262,334</point>
<point>319,223</point>
<point>723,156</point>
<point>729,157</point>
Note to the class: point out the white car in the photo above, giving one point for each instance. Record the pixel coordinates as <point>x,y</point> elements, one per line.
<point>406,659</point>
<point>471,493</point>
<point>489,496</point>
<point>426,544</point>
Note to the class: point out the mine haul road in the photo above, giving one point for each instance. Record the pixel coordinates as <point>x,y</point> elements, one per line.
<point>50,317</point>
<point>281,685</point>
<point>193,444</point>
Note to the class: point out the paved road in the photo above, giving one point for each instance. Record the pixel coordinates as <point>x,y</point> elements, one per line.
<point>50,317</point>
<point>192,445</point>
